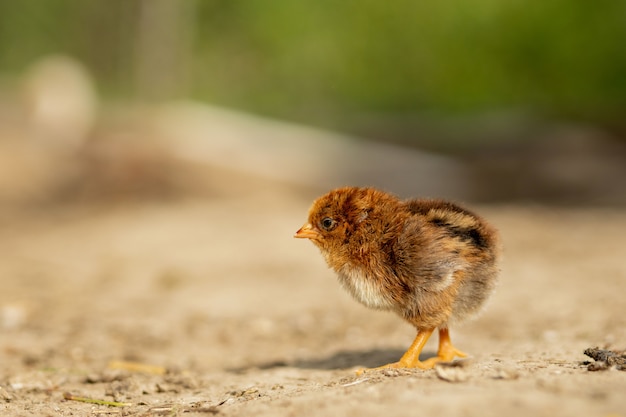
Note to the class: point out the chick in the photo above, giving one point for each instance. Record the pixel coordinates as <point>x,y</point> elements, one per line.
<point>430,261</point>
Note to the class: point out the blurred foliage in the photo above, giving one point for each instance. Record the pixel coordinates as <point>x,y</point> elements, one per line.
<point>324,62</point>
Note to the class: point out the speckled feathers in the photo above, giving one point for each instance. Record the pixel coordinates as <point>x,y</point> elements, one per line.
<point>431,261</point>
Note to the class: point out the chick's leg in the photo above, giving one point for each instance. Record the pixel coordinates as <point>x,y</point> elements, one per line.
<point>411,359</point>
<point>446,351</point>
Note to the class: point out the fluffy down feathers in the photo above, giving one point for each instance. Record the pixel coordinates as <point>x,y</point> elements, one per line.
<point>431,261</point>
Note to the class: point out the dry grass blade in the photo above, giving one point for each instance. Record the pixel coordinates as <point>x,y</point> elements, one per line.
<point>71,397</point>
<point>137,367</point>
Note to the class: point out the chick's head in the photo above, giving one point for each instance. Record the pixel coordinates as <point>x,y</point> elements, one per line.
<point>344,215</point>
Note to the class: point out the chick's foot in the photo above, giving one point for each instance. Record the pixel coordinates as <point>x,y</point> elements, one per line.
<point>446,352</point>
<point>411,358</point>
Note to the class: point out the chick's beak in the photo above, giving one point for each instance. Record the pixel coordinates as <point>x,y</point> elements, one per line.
<point>307,232</point>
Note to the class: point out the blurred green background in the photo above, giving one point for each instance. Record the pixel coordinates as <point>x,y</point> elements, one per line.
<point>527,98</point>
<point>379,69</point>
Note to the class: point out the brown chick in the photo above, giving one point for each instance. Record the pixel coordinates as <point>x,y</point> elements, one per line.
<point>431,261</point>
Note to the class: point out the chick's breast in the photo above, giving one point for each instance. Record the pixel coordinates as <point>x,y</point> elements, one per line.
<point>365,287</point>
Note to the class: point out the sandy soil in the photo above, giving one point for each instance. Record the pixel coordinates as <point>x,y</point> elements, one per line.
<point>245,320</point>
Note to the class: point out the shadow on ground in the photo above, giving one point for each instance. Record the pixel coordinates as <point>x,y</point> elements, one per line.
<point>344,359</point>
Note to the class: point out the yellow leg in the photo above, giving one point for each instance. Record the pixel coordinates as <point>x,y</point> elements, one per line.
<point>411,359</point>
<point>446,351</point>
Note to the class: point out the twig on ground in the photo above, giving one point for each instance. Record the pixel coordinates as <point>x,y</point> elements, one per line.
<point>71,397</point>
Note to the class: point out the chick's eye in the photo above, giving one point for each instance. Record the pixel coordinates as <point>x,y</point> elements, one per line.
<point>328,224</point>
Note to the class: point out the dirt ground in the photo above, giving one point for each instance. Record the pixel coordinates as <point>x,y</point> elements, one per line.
<point>235,317</point>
